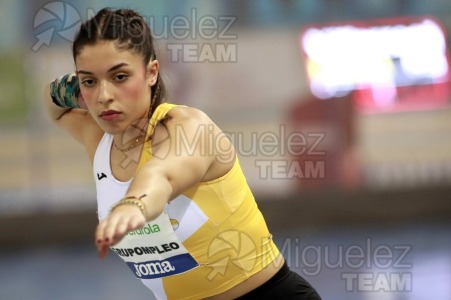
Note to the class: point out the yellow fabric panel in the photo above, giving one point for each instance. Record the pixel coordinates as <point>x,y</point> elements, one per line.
<point>232,245</point>
<point>157,116</point>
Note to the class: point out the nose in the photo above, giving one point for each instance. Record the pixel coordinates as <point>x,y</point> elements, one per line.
<point>105,94</point>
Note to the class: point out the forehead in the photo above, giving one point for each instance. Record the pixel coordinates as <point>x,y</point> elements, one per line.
<point>103,54</point>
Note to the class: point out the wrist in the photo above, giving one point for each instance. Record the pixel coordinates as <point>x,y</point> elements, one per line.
<point>135,201</point>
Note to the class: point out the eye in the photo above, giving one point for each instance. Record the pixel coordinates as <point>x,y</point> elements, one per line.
<point>120,77</point>
<point>88,82</point>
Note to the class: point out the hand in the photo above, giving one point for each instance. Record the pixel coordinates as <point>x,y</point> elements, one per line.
<point>111,230</point>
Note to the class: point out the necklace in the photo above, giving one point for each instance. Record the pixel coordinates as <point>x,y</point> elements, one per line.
<point>136,142</point>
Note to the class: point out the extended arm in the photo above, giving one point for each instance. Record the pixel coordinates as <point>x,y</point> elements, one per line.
<point>185,155</point>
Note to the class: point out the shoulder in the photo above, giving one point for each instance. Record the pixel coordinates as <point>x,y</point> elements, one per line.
<point>188,119</point>
<point>194,134</point>
<point>188,114</point>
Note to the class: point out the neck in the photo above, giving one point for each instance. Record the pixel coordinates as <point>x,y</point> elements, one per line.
<point>135,143</point>
<point>132,137</point>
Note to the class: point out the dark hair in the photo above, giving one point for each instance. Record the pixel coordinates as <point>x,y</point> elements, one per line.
<point>130,31</point>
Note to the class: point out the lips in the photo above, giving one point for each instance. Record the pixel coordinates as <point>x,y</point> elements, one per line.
<point>109,115</point>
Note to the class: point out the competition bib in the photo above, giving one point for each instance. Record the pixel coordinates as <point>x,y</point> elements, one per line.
<point>154,251</point>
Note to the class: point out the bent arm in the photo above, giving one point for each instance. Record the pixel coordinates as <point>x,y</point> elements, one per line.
<point>76,121</point>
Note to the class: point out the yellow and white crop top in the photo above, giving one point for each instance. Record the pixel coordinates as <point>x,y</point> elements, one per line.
<point>209,239</point>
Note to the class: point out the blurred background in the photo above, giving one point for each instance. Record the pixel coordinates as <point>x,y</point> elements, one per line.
<point>340,112</point>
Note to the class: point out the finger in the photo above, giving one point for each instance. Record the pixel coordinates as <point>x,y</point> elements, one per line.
<point>122,228</point>
<point>103,251</point>
<point>110,229</point>
<point>100,232</point>
<point>103,241</point>
<point>102,248</point>
<point>101,236</point>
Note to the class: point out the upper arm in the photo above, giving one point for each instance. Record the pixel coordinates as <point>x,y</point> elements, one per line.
<point>79,124</point>
<point>186,149</point>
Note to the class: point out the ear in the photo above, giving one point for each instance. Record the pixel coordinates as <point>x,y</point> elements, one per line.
<point>152,72</point>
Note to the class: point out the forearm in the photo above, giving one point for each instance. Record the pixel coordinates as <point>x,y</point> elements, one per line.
<point>154,189</point>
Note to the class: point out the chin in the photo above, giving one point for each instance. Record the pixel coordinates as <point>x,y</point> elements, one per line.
<point>112,131</point>
<point>111,128</point>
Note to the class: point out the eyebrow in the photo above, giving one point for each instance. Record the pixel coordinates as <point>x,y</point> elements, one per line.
<point>113,68</point>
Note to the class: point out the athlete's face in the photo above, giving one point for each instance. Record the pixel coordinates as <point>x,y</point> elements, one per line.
<point>115,85</point>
